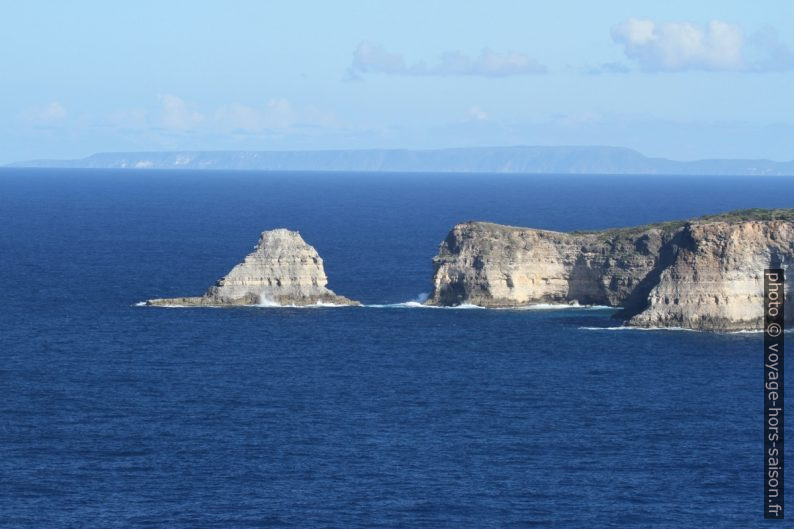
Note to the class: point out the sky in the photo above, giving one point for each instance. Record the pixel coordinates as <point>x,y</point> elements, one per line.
<point>682,80</point>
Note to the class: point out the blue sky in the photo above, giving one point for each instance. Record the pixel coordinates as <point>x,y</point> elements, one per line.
<point>683,80</point>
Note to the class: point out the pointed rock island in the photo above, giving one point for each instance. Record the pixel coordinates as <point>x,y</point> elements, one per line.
<point>283,270</point>
<point>705,273</point>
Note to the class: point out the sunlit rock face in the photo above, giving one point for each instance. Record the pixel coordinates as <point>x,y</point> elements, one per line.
<point>503,266</point>
<point>716,280</point>
<point>282,270</point>
<point>701,274</point>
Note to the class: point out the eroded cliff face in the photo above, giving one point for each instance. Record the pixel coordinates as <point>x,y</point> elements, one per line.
<point>717,278</point>
<point>703,274</point>
<point>503,266</point>
<point>282,270</point>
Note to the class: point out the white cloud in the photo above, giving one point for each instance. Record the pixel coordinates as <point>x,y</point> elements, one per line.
<point>477,114</point>
<point>675,46</point>
<point>177,123</point>
<point>717,46</point>
<point>369,57</point>
<point>277,114</point>
<point>49,114</point>
<point>176,114</point>
<point>374,58</point>
<point>238,117</point>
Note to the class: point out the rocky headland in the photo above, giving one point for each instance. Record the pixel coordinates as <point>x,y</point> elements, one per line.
<point>704,273</point>
<point>282,270</point>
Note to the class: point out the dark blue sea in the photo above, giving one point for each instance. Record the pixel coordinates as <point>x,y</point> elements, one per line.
<point>119,416</point>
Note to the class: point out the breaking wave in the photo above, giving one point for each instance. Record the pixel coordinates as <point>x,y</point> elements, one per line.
<point>264,302</point>
<point>175,306</point>
<point>756,331</point>
<point>419,303</point>
<point>559,306</point>
<point>629,328</point>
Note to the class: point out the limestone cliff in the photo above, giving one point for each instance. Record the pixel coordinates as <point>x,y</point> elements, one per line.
<point>716,280</point>
<point>282,270</point>
<point>705,273</point>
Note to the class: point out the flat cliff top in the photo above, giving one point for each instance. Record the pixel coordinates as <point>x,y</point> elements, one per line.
<point>730,217</point>
<point>743,215</point>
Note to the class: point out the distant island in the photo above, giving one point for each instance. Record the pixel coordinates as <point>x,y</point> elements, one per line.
<point>518,159</point>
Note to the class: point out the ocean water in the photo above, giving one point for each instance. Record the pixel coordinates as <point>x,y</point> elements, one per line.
<point>114,415</point>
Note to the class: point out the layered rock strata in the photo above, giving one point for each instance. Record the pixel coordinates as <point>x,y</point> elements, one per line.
<point>282,270</point>
<point>704,274</point>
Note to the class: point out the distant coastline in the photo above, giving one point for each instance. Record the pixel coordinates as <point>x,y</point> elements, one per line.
<point>518,159</point>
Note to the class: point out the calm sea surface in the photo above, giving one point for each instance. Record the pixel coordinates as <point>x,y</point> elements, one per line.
<point>114,415</point>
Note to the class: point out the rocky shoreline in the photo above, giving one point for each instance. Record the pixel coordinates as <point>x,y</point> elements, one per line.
<point>704,274</point>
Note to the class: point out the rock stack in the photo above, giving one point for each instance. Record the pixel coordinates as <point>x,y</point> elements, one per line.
<point>282,270</point>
